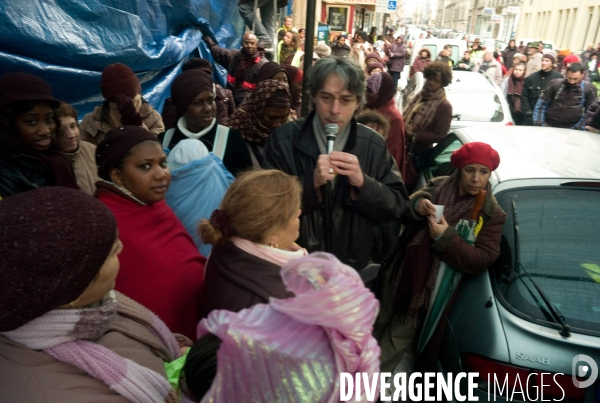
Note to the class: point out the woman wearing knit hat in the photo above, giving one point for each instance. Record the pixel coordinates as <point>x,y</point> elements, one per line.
<point>193,94</point>
<point>28,158</point>
<point>223,100</point>
<point>161,267</point>
<point>426,242</point>
<point>65,336</point>
<point>267,108</point>
<point>123,105</point>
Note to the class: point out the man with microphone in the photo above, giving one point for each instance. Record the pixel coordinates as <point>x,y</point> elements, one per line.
<point>351,182</point>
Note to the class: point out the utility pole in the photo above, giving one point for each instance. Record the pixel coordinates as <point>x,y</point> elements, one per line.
<point>308,53</point>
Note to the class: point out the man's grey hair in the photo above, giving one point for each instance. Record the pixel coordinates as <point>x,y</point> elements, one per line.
<point>345,68</point>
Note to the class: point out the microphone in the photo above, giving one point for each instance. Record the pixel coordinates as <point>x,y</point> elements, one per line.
<point>331,130</point>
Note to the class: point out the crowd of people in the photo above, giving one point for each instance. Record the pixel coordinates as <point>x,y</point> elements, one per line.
<point>152,257</point>
<point>534,80</point>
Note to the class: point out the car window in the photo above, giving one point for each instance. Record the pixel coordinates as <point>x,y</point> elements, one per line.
<point>439,162</point>
<point>558,243</point>
<point>475,106</point>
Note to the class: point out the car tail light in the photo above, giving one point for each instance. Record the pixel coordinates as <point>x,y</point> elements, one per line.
<point>555,386</point>
<point>509,124</point>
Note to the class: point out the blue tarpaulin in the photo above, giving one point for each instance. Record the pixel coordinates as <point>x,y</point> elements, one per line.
<point>69,42</point>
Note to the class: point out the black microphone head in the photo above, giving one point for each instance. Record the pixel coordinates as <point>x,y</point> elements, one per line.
<point>332,129</point>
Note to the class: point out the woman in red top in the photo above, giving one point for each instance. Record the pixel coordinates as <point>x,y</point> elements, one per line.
<point>161,267</point>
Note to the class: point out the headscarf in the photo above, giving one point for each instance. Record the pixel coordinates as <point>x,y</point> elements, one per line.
<point>373,55</point>
<point>40,265</point>
<point>374,66</point>
<point>247,118</point>
<point>294,73</point>
<point>116,144</point>
<point>386,90</point>
<point>268,70</point>
<point>187,86</point>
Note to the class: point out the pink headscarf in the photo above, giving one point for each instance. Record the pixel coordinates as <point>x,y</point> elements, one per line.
<point>294,349</point>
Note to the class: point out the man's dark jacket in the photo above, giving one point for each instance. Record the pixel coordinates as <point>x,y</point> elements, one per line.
<point>338,224</point>
<point>533,87</point>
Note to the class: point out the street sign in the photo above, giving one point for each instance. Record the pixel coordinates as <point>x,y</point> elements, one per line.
<point>386,6</point>
<point>495,18</point>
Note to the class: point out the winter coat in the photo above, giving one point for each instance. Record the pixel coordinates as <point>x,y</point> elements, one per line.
<point>237,156</point>
<point>236,279</point>
<point>336,223</point>
<point>28,375</point>
<point>592,115</point>
<point>534,63</point>
<point>396,139</point>
<point>419,63</point>
<point>534,86</point>
<point>445,59</point>
<point>230,59</point>
<point>196,190</point>
<point>84,165</point>
<point>93,129</point>
<point>494,70</point>
<point>20,172</point>
<point>507,55</point>
<point>397,56</point>
<point>561,104</point>
<point>469,64</point>
<point>435,131</point>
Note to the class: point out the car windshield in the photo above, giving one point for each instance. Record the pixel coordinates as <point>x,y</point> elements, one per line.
<point>475,105</point>
<point>559,251</point>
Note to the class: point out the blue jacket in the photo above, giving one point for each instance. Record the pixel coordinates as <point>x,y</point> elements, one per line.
<point>196,191</point>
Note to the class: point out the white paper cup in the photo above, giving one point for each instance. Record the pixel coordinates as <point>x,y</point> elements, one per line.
<point>439,212</point>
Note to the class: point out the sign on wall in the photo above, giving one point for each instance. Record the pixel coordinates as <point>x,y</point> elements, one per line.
<point>337,18</point>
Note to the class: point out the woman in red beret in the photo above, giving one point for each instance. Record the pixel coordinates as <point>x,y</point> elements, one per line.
<point>425,243</point>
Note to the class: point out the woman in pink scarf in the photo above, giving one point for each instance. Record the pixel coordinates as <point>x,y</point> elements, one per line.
<point>252,234</point>
<point>290,350</point>
<point>65,335</point>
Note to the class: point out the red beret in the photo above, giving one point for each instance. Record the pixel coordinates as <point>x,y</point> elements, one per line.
<point>475,153</point>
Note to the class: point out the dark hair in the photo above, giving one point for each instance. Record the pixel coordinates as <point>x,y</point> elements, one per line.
<point>521,64</point>
<point>301,30</point>
<point>380,38</point>
<point>576,67</point>
<point>441,68</point>
<point>370,116</point>
<point>448,46</point>
<point>594,54</point>
<point>363,35</point>
<point>200,368</point>
<point>373,30</point>
<point>496,54</point>
<point>345,68</point>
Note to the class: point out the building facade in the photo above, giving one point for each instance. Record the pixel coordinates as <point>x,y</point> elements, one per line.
<point>569,24</point>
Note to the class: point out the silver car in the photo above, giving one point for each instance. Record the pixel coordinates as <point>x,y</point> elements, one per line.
<point>537,310</point>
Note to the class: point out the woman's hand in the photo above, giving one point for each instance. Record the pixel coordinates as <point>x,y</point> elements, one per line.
<point>425,208</point>
<point>435,229</point>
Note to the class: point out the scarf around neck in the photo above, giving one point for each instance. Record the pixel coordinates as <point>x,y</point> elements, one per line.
<point>68,335</point>
<point>182,123</point>
<point>419,268</point>
<point>246,119</point>
<point>276,256</point>
<point>515,87</point>
<point>421,109</point>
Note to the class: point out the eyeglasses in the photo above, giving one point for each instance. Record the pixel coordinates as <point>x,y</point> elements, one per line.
<point>345,100</point>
